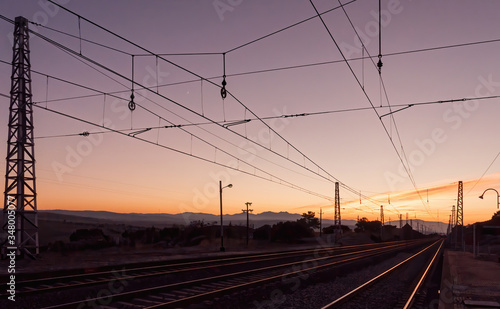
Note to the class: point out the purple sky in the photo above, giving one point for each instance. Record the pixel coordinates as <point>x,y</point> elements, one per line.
<point>444,143</point>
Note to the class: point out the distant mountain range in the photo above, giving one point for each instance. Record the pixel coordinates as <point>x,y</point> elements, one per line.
<point>161,219</point>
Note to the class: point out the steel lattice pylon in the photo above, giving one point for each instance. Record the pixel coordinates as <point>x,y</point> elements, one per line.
<point>20,188</point>
<point>336,221</point>
<point>459,224</point>
<point>460,204</point>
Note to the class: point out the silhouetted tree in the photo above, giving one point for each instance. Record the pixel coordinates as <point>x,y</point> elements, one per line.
<point>262,233</point>
<point>290,231</point>
<point>364,224</point>
<point>197,224</point>
<point>309,220</point>
<point>495,219</point>
<point>330,229</point>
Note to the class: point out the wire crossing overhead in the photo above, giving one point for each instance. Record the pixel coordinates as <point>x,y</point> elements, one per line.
<point>317,169</point>
<point>143,124</point>
<point>402,156</point>
<point>20,200</point>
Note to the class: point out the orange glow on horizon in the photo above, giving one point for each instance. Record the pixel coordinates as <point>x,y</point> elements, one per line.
<point>441,197</point>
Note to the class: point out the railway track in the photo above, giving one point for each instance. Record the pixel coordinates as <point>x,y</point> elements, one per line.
<point>56,281</point>
<point>199,282</point>
<point>397,287</point>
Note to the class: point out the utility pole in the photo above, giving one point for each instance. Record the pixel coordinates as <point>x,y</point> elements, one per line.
<point>400,220</point>
<point>20,185</point>
<point>222,249</point>
<point>247,211</point>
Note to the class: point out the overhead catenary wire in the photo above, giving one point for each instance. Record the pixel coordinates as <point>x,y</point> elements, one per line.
<point>297,115</point>
<point>73,53</point>
<point>288,116</point>
<point>272,178</point>
<point>365,93</point>
<point>484,173</point>
<point>333,178</point>
<point>113,94</point>
<point>432,102</point>
<point>176,65</point>
<point>272,69</point>
<point>378,66</point>
<point>298,66</point>
<point>391,112</point>
<point>146,129</point>
<point>322,63</point>
<point>80,37</point>
<point>283,29</point>
<point>172,125</point>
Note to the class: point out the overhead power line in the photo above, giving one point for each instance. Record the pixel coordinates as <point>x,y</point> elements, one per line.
<point>365,93</point>
<point>272,178</point>
<point>378,67</point>
<point>299,115</point>
<point>332,179</point>
<point>264,118</point>
<point>81,38</point>
<point>285,28</point>
<point>298,66</point>
<point>484,173</point>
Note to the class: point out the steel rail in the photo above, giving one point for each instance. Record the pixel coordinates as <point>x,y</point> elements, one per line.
<point>378,277</point>
<point>410,300</point>
<point>151,291</point>
<point>44,283</point>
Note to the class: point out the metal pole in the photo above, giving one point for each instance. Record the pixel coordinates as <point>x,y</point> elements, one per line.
<point>248,223</point>
<point>221,220</point>
<point>20,182</point>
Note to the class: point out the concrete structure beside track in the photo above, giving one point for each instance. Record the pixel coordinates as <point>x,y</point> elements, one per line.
<point>468,282</point>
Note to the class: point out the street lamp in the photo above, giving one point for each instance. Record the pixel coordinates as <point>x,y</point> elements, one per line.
<point>498,196</point>
<point>222,249</point>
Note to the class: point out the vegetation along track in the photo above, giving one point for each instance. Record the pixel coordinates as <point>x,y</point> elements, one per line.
<point>181,284</point>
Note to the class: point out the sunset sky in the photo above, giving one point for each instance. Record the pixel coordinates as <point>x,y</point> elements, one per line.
<point>280,163</point>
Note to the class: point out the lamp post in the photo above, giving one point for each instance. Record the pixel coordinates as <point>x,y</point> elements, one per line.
<point>498,196</point>
<point>222,249</point>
